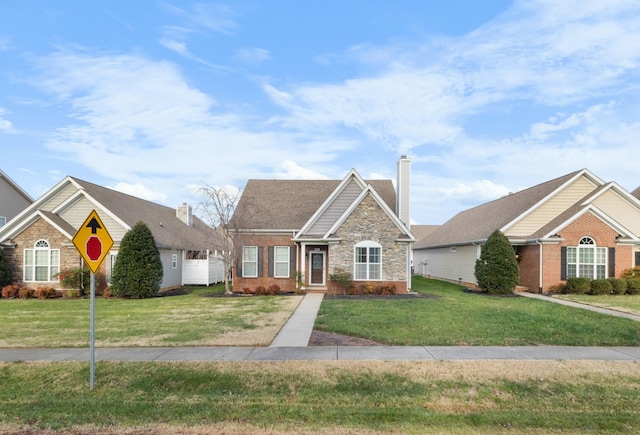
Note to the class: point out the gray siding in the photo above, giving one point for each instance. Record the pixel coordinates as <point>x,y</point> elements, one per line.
<point>336,209</point>
<point>171,277</point>
<point>12,202</point>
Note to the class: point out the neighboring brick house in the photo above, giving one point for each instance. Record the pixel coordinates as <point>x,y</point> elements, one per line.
<point>575,225</point>
<point>38,241</point>
<point>296,233</point>
<point>13,199</point>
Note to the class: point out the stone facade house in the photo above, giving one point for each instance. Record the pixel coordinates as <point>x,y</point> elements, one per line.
<point>13,199</point>
<point>38,241</point>
<point>297,233</point>
<point>574,225</point>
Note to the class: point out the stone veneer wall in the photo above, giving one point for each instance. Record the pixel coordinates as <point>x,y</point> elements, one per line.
<point>369,222</point>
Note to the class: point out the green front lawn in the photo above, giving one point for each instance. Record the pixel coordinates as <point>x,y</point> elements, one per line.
<point>191,319</point>
<point>454,317</point>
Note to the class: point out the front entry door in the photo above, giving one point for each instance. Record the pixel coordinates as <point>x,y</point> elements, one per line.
<point>317,268</point>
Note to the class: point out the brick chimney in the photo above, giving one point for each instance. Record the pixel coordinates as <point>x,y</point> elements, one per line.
<point>184,213</point>
<point>403,185</point>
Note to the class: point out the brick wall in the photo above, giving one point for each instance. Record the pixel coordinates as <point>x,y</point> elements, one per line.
<point>588,225</point>
<point>262,241</point>
<point>529,267</point>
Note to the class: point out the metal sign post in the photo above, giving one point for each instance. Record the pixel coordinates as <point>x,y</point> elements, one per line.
<point>93,241</point>
<point>92,333</point>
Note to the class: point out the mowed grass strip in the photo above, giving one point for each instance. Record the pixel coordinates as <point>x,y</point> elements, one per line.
<point>331,396</point>
<point>453,317</point>
<point>192,319</point>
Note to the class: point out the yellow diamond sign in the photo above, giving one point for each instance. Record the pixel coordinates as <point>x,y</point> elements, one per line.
<point>93,241</point>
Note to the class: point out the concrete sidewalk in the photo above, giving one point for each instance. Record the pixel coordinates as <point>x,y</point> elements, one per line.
<point>329,353</point>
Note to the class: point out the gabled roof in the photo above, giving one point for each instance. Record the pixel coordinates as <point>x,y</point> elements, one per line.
<point>289,204</point>
<point>167,229</point>
<point>477,223</point>
<point>15,186</point>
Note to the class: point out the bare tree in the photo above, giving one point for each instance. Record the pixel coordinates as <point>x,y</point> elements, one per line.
<point>218,209</point>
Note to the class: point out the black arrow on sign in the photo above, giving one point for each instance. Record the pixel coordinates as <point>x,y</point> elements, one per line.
<point>94,225</point>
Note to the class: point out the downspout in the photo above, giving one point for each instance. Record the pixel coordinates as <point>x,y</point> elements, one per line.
<point>409,267</point>
<point>540,267</point>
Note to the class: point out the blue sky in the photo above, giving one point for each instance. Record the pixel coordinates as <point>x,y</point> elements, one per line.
<point>158,98</point>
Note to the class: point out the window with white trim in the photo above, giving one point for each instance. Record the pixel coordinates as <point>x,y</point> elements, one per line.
<point>368,261</point>
<point>41,264</point>
<point>250,261</point>
<point>3,220</point>
<point>174,261</point>
<point>281,261</point>
<point>587,260</point>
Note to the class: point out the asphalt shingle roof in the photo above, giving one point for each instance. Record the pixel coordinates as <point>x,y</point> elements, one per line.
<point>167,229</point>
<point>477,223</point>
<point>289,204</point>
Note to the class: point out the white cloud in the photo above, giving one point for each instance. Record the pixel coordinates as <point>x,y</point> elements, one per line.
<point>5,124</point>
<point>252,55</point>
<point>179,47</point>
<point>291,171</point>
<point>216,17</point>
<point>138,120</point>
<point>542,90</point>
<point>480,190</point>
<point>139,190</point>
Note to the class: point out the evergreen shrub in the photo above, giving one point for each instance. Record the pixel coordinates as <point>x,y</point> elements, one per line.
<point>600,287</point>
<point>497,268</point>
<point>578,286</point>
<point>633,286</point>
<point>6,276</point>
<point>618,286</point>
<point>138,271</point>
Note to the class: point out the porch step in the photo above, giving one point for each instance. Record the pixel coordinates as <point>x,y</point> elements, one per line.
<point>315,290</point>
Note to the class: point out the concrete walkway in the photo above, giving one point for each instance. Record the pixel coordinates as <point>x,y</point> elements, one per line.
<point>297,331</point>
<point>582,306</point>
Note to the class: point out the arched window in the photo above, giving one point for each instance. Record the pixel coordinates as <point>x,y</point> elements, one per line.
<point>368,261</point>
<point>41,263</point>
<point>587,260</point>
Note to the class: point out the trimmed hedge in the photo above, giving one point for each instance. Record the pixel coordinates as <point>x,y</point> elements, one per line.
<point>600,287</point>
<point>633,286</point>
<point>578,286</point>
<point>618,286</point>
